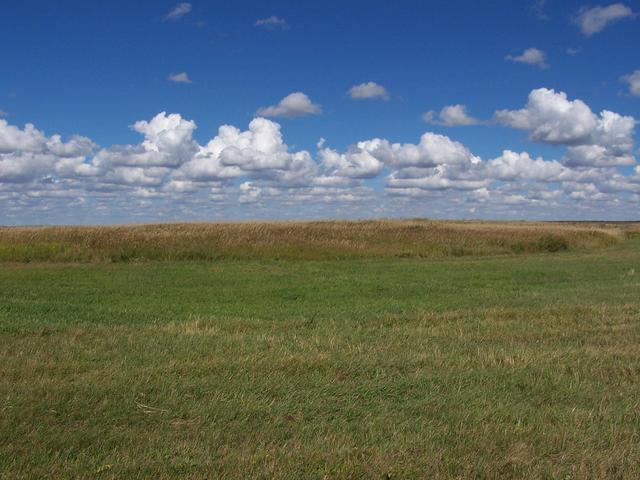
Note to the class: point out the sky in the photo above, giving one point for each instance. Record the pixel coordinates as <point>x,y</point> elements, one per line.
<point>159,111</point>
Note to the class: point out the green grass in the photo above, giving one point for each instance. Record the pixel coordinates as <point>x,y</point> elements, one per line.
<point>517,366</point>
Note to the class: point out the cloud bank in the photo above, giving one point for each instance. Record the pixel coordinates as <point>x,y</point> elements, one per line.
<point>253,173</point>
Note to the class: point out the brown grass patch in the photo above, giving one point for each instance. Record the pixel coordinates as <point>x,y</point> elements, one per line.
<point>301,240</point>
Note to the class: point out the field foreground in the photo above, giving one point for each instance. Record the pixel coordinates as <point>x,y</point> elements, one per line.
<point>414,354</point>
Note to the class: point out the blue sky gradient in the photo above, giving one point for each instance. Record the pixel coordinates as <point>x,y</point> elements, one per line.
<point>95,68</point>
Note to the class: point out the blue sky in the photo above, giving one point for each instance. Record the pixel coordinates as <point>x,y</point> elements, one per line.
<point>94,69</point>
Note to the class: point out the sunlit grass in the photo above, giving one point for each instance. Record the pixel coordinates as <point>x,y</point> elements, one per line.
<point>505,366</point>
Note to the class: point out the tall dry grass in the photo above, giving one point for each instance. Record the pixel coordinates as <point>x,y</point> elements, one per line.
<point>300,240</point>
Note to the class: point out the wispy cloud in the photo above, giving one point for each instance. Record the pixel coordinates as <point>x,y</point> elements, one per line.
<point>531,56</point>
<point>633,80</point>
<point>178,11</point>
<point>537,10</point>
<point>272,23</point>
<point>594,20</point>
<point>181,77</point>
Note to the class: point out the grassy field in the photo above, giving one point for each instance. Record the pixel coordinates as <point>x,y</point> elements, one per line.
<point>299,240</point>
<point>322,350</point>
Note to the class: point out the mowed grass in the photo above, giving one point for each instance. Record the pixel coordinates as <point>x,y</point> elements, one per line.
<point>369,366</point>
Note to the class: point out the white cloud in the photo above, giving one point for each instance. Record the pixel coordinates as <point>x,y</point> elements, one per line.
<point>296,104</point>
<point>451,116</point>
<point>368,90</point>
<point>25,166</point>
<point>259,152</point>
<point>432,150</point>
<point>633,80</point>
<point>28,139</point>
<point>27,153</point>
<point>596,156</point>
<point>438,178</point>
<point>178,11</point>
<point>531,56</point>
<point>168,143</point>
<point>135,176</point>
<point>572,51</point>
<point>76,147</point>
<point>520,166</point>
<point>272,23</point>
<point>594,20</point>
<point>168,135</point>
<point>357,162</point>
<point>181,77</point>
<point>253,173</point>
<point>549,117</point>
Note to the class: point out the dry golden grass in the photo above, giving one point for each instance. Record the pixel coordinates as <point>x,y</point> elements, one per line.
<point>301,240</point>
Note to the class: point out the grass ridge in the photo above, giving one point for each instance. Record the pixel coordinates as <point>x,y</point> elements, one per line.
<point>300,240</point>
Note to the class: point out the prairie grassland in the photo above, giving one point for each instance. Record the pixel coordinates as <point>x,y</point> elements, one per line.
<point>500,366</point>
<point>299,240</point>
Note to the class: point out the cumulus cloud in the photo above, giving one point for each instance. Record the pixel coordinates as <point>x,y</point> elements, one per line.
<point>21,167</point>
<point>451,116</point>
<point>520,166</point>
<point>368,90</point>
<point>550,117</point>
<point>12,138</point>
<point>272,23</point>
<point>437,179</point>
<point>76,147</point>
<point>27,153</point>
<point>633,80</point>
<point>259,152</point>
<point>168,143</point>
<point>531,56</point>
<point>356,162</point>
<point>181,77</point>
<point>237,172</point>
<point>594,20</point>
<point>178,11</point>
<point>431,151</point>
<point>295,104</point>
